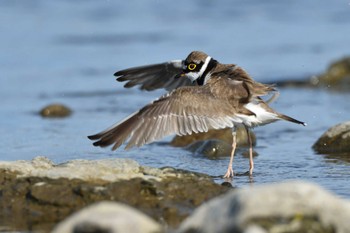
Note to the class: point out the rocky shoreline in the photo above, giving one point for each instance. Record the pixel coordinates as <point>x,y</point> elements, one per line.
<point>119,195</point>
<point>37,194</point>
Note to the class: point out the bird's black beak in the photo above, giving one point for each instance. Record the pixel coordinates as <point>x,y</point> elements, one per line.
<point>181,75</point>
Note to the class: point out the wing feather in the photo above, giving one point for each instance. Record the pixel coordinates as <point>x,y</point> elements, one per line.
<point>156,76</point>
<point>182,111</point>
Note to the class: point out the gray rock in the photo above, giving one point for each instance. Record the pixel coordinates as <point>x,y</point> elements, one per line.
<point>110,170</point>
<point>108,217</point>
<point>105,169</point>
<point>285,207</point>
<point>334,140</point>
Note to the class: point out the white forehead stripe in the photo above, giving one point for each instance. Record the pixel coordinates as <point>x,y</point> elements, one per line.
<point>204,67</point>
<point>177,63</point>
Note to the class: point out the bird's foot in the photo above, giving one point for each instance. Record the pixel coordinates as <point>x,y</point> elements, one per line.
<point>229,173</point>
<point>250,171</point>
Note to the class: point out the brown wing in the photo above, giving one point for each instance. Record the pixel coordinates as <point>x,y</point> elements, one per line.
<point>155,76</point>
<point>237,73</point>
<point>182,111</point>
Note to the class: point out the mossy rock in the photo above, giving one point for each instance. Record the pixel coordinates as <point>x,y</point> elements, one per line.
<point>37,195</point>
<point>55,111</point>
<point>335,140</point>
<point>337,75</point>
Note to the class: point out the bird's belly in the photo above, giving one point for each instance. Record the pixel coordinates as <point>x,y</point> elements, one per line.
<point>261,117</point>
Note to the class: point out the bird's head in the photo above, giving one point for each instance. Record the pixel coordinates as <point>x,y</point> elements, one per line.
<point>196,66</point>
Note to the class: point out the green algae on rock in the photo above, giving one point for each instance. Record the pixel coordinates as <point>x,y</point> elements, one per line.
<point>55,111</point>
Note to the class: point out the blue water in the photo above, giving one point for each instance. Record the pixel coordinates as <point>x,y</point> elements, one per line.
<point>67,51</point>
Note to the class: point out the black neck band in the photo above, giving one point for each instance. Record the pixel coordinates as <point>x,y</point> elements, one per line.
<point>212,63</point>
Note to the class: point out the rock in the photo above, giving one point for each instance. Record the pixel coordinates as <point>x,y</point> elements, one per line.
<point>36,195</point>
<point>109,217</point>
<point>214,143</point>
<point>222,134</point>
<point>335,158</point>
<point>55,110</point>
<point>335,140</point>
<point>337,75</point>
<point>286,207</point>
<point>211,148</point>
<point>214,149</point>
<point>89,170</point>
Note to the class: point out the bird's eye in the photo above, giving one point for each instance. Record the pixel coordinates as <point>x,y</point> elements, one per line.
<point>191,66</point>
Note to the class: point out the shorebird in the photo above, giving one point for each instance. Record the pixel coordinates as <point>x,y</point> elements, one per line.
<point>203,94</point>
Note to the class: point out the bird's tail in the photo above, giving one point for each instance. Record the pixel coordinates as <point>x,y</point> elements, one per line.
<point>287,118</point>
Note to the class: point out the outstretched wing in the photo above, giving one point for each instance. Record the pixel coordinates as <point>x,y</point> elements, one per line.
<point>155,76</point>
<point>182,111</point>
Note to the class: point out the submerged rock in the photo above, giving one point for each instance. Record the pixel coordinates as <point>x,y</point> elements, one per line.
<point>292,207</point>
<point>335,140</point>
<point>108,217</point>
<point>55,110</point>
<point>221,134</point>
<point>214,149</point>
<point>36,195</point>
<point>211,148</point>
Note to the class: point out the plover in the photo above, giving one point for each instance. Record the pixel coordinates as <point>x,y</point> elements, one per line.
<point>203,94</point>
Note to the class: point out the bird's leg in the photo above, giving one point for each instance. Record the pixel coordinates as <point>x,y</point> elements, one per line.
<point>274,96</point>
<point>229,172</point>
<point>251,161</point>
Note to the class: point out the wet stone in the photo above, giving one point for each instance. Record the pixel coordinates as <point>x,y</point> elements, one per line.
<point>221,134</point>
<point>56,111</point>
<point>336,140</point>
<point>211,148</point>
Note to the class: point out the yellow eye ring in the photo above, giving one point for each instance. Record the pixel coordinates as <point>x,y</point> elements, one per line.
<point>191,66</point>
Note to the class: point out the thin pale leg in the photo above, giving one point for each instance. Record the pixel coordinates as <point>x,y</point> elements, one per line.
<point>229,172</point>
<point>274,96</point>
<point>251,161</point>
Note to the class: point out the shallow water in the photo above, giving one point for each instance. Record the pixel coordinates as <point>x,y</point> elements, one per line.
<point>67,51</point>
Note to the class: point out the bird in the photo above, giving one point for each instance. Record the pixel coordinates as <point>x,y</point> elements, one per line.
<point>202,94</point>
